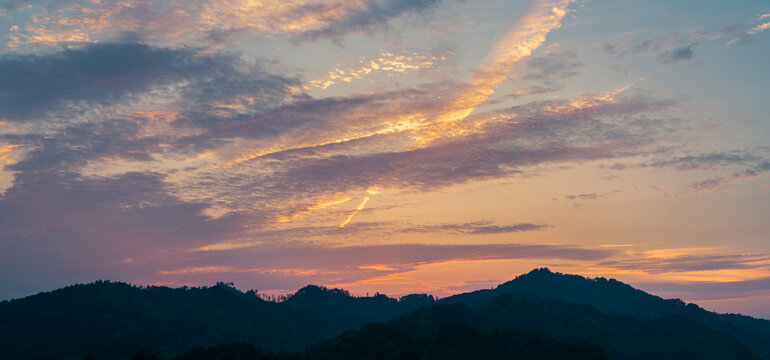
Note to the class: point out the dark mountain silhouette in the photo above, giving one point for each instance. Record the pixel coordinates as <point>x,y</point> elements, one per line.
<point>114,320</point>
<point>452,340</point>
<point>509,328</point>
<point>614,297</point>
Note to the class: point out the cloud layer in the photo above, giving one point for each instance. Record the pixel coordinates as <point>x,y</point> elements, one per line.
<point>278,143</point>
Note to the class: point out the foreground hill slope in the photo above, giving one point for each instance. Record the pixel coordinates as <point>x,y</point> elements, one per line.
<point>510,328</point>
<point>115,320</point>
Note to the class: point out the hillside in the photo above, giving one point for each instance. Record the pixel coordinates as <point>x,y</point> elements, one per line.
<point>614,297</point>
<point>510,328</point>
<point>115,320</point>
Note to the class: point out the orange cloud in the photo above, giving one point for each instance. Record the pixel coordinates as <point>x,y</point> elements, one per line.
<point>386,62</point>
<point>759,28</point>
<point>518,43</point>
<point>188,21</point>
<point>359,208</point>
<point>317,206</point>
<point>515,45</point>
<point>5,155</point>
<point>197,270</point>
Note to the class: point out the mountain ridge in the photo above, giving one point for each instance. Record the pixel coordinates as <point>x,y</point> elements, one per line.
<point>615,297</point>
<point>112,318</point>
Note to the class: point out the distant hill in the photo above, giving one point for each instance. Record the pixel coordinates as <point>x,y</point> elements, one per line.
<point>114,320</point>
<point>614,297</point>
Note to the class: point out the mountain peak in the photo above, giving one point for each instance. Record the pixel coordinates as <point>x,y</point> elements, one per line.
<point>539,272</point>
<point>318,291</point>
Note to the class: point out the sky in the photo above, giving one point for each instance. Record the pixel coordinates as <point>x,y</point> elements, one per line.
<point>392,146</point>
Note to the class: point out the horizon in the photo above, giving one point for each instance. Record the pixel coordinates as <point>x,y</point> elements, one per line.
<point>427,146</point>
<point>278,296</point>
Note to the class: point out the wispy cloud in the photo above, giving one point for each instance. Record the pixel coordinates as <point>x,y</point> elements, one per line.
<point>707,161</point>
<point>653,262</point>
<point>710,290</point>
<point>677,54</point>
<point>736,165</point>
<point>385,62</point>
<point>477,228</point>
<point>680,47</point>
<point>203,22</point>
<point>148,140</point>
<point>103,74</point>
<point>352,263</point>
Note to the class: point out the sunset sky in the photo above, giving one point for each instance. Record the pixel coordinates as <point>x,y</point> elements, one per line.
<point>397,146</point>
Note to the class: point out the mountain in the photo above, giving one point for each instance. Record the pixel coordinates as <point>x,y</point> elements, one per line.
<point>115,320</point>
<point>614,297</point>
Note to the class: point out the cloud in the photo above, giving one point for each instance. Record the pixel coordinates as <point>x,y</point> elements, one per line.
<point>710,290</point>
<point>533,134</point>
<point>547,73</point>
<point>385,62</point>
<point>759,28</point>
<point>477,228</point>
<point>76,145</point>
<point>271,237</point>
<point>177,162</point>
<point>305,263</point>
<point>206,23</point>
<point>720,183</point>
<point>406,256</point>
<point>611,48</point>
<point>59,227</point>
<point>60,202</point>
<point>553,66</point>
<point>127,210</point>
<point>374,13</point>
<point>752,162</point>
<point>209,89</point>
<point>108,102</point>
<point>504,143</point>
<point>725,167</point>
<point>679,54</point>
<point>653,264</point>
<point>709,185</point>
<point>515,45</point>
<point>31,84</point>
<point>97,74</point>
<point>308,121</point>
<point>678,47</point>
<point>592,196</point>
<point>669,50</point>
<point>17,4</point>
<point>736,32</point>
<point>706,161</point>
